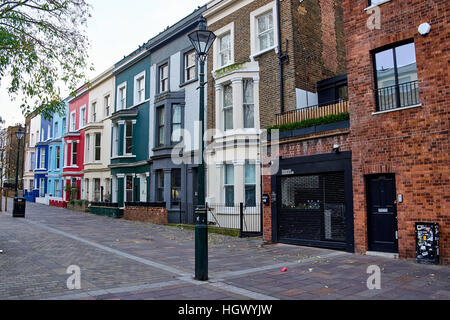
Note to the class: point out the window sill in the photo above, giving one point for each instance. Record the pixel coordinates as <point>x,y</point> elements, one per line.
<point>376,5</point>
<point>188,82</point>
<point>257,54</point>
<point>123,157</point>
<point>398,109</point>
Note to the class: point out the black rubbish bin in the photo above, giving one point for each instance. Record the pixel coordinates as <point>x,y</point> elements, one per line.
<point>19,207</point>
<point>427,243</point>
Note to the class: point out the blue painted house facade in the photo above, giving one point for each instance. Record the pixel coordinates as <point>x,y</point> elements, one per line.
<point>129,133</point>
<point>42,156</point>
<point>56,156</point>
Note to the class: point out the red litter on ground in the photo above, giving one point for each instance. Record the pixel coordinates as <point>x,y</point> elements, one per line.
<point>284,269</point>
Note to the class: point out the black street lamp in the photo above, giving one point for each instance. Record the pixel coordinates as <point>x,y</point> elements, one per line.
<point>202,40</point>
<point>19,203</point>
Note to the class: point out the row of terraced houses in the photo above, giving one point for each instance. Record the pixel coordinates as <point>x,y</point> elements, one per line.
<point>359,93</point>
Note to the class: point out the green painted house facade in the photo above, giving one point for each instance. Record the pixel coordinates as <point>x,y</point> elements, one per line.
<point>130,171</point>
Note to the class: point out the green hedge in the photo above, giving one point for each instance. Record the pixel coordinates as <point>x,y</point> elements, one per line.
<point>311,122</point>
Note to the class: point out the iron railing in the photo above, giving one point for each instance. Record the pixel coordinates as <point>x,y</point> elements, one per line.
<point>246,219</point>
<point>398,96</point>
<point>313,112</point>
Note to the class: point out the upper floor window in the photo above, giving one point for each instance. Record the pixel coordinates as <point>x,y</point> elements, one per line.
<point>64,126</point>
<point>94,112</point>
<point>122,96</point>
<point>164,78</point>
<point>107,105</point>
<point>228,107</point>
<point>74,153</point>
<point>33,161</point>
<point>139,88</point>
<point>249,106</point>
<point>42,160</point>
<point>73,121</point>
<point>396,77</point>
<point>82,117</point>
<point>56,129</point>
<point>189,66</point>
<point>160,126</point>
<point>49,131</point>
<point>98,146</point>
<point>265,31</point>
<point>176,123</point>
<point>58,157</point>
<point>129,137</point>
<point>88,148</point>
<point>224,50</point>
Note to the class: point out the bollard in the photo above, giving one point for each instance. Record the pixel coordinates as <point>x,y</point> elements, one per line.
<point>201,244</point>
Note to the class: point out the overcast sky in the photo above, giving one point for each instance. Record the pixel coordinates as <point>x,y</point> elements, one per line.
<point>117,28</point>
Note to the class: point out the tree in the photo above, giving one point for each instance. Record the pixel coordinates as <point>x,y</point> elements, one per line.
<point>43,46</point>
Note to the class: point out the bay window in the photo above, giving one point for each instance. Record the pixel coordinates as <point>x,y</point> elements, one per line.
<point>228,107</point>
<point>160,186</point>
<point>249,106</point>
<point>129,137</point>
<point>97,151</point>
<point>176,123</point>
<point>160,126</point>
<point>250,184</point>
<point>229,185</point>
<point>176,187</point>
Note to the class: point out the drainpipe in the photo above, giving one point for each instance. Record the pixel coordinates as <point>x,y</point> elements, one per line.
<point>282,57</point>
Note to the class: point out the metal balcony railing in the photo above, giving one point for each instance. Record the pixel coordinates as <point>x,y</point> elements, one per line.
<point>398,96</point>
<point>313,112</point>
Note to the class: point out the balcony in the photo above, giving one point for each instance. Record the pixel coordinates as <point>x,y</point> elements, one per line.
<point>313,112</point>
<point>398,96</point>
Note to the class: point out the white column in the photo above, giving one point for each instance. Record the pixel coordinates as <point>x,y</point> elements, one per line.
<point>239,181</point>
<point>219,106</point>
<point>217,180</point>
<point>256,102</point>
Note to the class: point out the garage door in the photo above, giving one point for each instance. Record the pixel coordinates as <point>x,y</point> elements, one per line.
<point>312,208</point>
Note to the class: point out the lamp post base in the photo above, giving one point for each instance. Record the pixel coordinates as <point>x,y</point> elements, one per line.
<point>201,244</point>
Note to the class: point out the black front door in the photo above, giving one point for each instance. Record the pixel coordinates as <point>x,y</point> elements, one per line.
<point>382,214</point>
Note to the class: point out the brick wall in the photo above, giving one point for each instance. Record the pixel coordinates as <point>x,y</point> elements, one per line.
<point>302,25</point>
<point>302,147</point>
<point>414,143</point>
<point>147,214</point>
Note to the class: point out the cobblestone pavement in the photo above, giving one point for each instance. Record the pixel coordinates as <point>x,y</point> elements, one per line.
<point>126,260</point>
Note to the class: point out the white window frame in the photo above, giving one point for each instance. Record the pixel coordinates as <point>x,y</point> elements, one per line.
<point>87,148</point>
<point>133,122</point>
<point>73,121</point>
<point>83,119</point>
<point>188,67</point>
<point>137,78</point>
<point>228,185</point>
<point>161,80</point>
<point>42,159</point>
<point>95,147</point>
<point>71,154</point>
<point>229,28</point>
<point>120,105</point>
<point>94,112</point>
<point>107,105</point>
<point>254,41</point>
<point>224,108</point>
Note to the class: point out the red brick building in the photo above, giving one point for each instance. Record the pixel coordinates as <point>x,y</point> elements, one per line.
<point>399,110</point>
